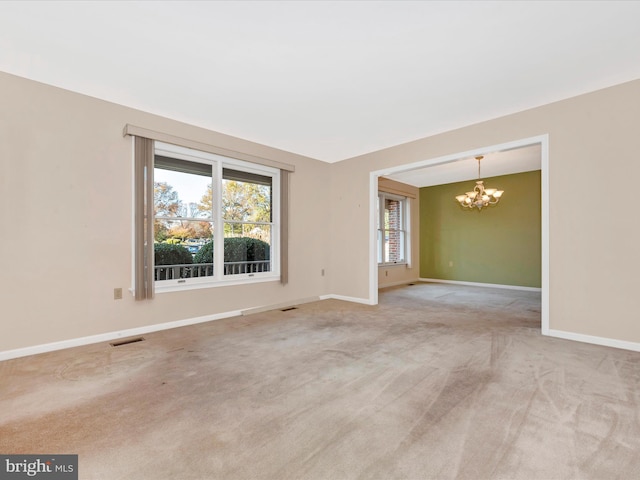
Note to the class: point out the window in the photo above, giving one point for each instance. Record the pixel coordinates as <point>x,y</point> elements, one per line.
<point>215,219</point>
<point>392,229</point>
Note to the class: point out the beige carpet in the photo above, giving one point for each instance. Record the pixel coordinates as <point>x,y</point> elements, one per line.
<point>436,382</point>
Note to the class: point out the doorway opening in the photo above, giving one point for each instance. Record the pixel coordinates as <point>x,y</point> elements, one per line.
<point>440,167</point>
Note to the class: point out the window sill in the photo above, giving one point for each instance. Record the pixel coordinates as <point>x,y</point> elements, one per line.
<point>180,287</point>
<point>387,265</point>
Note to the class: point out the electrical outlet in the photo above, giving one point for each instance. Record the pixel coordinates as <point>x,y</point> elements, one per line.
<point>117,294</point>
<point>450,263</point>
<point>322,272</point>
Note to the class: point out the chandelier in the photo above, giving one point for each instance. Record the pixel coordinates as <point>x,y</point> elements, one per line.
<point>480,197</point>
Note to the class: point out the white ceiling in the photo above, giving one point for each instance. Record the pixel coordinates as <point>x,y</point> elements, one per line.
<point>329,80</point>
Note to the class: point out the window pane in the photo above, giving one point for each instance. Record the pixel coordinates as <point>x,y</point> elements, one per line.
<point>259,231</point>
<point>394,246</point>
<point>183,249</point>
<point>246,209</point>
<point>245,198</point>
<point>181,189</point>
<point>392,214</point>
<point>247,248</point>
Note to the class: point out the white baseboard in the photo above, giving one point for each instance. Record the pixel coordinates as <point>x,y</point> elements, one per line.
<point>607,342</point>
<point>365,301</point>
<point>132,332</point>
<point>395,284</point>
<point>106,337</point>
<point>278,306</point>
<point>476,284</point>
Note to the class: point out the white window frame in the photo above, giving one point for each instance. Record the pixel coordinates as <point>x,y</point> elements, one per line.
<point>218,162</point>
<point>404,228</point>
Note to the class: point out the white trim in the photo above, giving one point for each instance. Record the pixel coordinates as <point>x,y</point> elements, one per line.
<point>244,279</point>
<point>408,231</point>
<point>604,341</point>
<point>373,239</point>
<point>132,332</point>
<point>543,140</point>
<point>364,301</point>
<point>477,284</point>
<point>395,284</point>
<point>545,242</point>
<point>105,337</point>
<point>278,306</point>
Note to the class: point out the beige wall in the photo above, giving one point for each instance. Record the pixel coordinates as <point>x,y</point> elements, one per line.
<point>65,178</point>
<point>399,274</point>
<point>594,261</point>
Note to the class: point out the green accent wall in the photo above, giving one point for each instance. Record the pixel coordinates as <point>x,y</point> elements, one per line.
<point>499,244</point>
